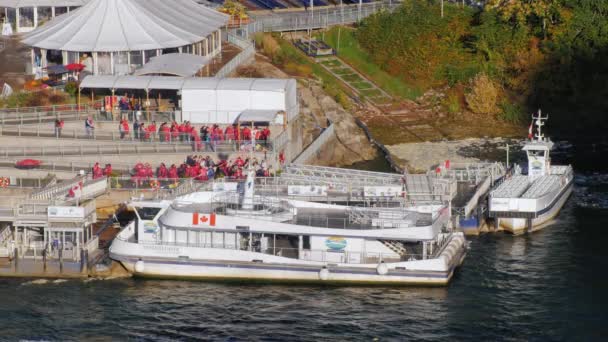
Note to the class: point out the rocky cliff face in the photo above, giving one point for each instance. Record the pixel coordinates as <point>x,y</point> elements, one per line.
<point>350,145</point>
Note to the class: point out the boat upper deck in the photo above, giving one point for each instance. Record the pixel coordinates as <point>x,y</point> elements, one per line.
<point>512,187</point>
<point>541,186</point>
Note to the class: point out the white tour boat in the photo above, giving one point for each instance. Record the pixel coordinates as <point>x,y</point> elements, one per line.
<point>241,235</point>
<point>526,202</point>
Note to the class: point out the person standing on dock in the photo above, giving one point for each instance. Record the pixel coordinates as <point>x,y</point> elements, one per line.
<point>58,127</point>
<point>89,126</point>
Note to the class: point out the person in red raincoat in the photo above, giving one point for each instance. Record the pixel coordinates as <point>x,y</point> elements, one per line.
<point>97,172</point>
<point>229,133</point>
<point>107,171</point>
<point>125,128</point>
<point>162,173</point>
<point>175,131</point>
<point>246,133</point>
<point>197,143</point>
<point>166,132</point>
<point>173,172</point>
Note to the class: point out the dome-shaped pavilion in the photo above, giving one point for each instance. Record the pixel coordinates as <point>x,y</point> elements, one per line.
<point>118,36</point>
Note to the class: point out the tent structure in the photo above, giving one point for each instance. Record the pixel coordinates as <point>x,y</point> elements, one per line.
<point>26,15</point>
<point>118,36</point>
<point>215,100</point>
<point>176,64</point>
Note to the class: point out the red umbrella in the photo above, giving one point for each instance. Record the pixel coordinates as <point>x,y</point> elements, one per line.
<point>75,67</point>
<point>28,164</point>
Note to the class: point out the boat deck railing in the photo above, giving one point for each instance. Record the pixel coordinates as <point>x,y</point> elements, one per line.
<point>318,255</point>
<point>349,218</point>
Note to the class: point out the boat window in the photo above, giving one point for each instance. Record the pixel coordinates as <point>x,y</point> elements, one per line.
<point>305,242</point>
<point>147,213</point>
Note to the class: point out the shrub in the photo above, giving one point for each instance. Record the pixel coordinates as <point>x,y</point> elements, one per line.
<point>56,98</point>
<point>71,88</point>
<point>296,69</point>
<point>483,95</point>
<point>511,112</point>
<point>452,103</point>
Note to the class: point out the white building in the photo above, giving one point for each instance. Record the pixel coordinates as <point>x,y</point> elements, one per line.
<point>118,36</point>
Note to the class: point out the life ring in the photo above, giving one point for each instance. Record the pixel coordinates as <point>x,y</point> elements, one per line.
<point>154,184</point>
<point>140,266</point>
<point>382,268</point>
<point>4,182</point>
<point>324,274</point>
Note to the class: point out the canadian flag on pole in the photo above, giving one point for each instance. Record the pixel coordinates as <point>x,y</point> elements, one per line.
<point>203,219</point>
<point>530,133</point>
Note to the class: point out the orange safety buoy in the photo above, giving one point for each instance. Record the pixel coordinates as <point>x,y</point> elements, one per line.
<point>4,182</point>
<point>154,184</point>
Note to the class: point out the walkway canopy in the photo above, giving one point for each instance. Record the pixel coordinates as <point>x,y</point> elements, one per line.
<point>176,64</point>
<point>128,25</point>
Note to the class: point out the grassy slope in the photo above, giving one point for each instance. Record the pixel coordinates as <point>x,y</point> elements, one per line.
<point>351,52</point>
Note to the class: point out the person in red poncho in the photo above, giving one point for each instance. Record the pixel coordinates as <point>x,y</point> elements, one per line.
<point>107,170</point>
<point>97,171</point>
<point>173,172</point>
<point>124,128</point>
<point>174,131</point>
<point>162,172</point>
<point>165,132</point>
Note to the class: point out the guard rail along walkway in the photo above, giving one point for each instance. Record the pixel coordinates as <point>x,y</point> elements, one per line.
<point>312,149</point>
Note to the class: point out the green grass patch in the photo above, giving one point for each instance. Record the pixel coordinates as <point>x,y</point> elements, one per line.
<point>342,71</point>
<point>352,78</point>
<point>331,63</point>
<point>331,84</point>
<point>361,85</point>
<point>352,53</point>
<point>371,93</point>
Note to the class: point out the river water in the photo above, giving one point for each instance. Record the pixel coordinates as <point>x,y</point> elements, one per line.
<point>549,285</point>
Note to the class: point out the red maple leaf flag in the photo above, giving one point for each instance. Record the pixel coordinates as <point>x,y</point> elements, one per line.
<point>530,133</point>
<point>204,219</point>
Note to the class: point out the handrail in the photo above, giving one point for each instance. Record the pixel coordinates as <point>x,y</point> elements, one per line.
<point>318,255</point>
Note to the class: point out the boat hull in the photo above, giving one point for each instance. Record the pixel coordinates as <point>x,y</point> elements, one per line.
<point>517,226</point>
<point>430,272</point>
<point>213,271</point>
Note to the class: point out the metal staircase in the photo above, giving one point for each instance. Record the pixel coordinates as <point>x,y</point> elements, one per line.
<point>395,246</point>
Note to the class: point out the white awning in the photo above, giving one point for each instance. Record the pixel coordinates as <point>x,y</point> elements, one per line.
<point>177,64</point>
<point>128,25</point>
<point>252,115</point>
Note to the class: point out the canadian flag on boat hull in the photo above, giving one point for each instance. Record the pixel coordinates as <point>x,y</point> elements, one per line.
<point>198,219</point>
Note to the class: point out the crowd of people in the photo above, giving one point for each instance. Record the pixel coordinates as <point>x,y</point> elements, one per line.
<point>204,138</point>
<point>201,168</point>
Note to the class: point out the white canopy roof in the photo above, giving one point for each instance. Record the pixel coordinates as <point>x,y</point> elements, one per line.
<point>177,83</point>
<point>41,3</point>
<point>258,115</point>
<point>178,64</point>
<point>128,25</point>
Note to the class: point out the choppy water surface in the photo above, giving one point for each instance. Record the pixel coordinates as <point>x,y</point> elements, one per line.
<point>550,285</point>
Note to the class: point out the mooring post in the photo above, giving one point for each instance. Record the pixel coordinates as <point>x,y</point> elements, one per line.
<point>61,260</point>
<point>44,251</point>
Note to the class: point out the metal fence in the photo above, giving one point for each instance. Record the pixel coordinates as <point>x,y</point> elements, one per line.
<point>244,56</point>
<point>316,19</point>
<point>315,146</point>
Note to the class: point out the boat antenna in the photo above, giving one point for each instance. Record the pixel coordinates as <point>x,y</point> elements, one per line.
<point>540,122</point>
